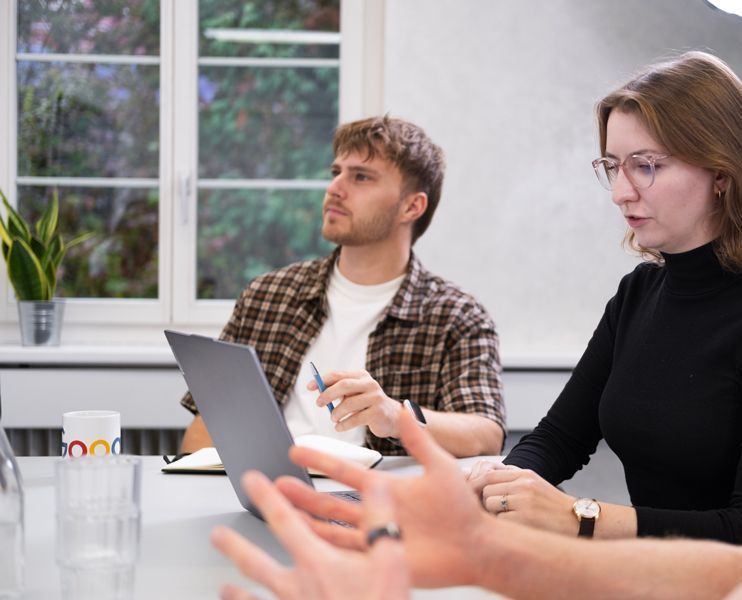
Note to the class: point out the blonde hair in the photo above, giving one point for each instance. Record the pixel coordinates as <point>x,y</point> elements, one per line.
<point>692,105</point>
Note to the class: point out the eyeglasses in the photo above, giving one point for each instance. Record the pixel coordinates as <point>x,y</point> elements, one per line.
<point>638,168</point>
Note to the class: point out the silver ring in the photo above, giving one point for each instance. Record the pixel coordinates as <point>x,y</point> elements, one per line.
<point>390,530</point>
<point>504,503</point>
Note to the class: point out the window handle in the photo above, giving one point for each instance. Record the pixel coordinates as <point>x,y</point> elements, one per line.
<point>185,190</point>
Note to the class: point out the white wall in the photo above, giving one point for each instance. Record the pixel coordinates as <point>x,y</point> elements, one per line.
<point>507,88</point>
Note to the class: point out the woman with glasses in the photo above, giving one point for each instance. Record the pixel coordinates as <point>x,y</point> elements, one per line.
<point>661,379</point>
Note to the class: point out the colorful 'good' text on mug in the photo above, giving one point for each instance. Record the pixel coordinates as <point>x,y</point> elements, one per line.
<point>78,448</point>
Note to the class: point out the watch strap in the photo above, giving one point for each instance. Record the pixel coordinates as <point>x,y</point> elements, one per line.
<point>587,527</point>
<point>416,411</point>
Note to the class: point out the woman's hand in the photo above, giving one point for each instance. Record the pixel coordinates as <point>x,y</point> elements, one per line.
<point>522,496</point>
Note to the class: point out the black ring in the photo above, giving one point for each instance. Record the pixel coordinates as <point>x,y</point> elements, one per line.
<point>390,530</point>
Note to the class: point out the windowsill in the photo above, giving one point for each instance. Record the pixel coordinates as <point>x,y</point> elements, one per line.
<point>149,355</point>
<point>160,355</point>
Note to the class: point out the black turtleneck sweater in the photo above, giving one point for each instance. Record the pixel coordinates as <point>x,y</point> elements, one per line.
<point>661,381</point>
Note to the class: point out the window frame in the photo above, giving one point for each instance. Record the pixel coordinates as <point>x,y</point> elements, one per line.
<point>142,320</point>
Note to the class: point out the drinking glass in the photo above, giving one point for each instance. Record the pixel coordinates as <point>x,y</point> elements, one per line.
<point>98,526</point>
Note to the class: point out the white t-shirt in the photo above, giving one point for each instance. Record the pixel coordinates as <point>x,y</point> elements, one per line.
<point>354,311</point>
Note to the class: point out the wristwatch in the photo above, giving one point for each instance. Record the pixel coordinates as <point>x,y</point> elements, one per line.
<point>587,511</point>
<point>416,411</point>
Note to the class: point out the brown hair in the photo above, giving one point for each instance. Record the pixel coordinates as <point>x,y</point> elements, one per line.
<point>408,148</point>
<point>692,105</point>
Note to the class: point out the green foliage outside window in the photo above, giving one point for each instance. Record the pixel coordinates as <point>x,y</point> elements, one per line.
<point>123,264</point>
<point>263,123</point>
<point>102,120</point>
<point>243,234</point>
<point>87,120</point>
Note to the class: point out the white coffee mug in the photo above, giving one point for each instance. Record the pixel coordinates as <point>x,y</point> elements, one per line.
<point>91,432</point>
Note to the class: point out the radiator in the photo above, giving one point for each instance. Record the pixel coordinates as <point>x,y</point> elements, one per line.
<point>48,442</point>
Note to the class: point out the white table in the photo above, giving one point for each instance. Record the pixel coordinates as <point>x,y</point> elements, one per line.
<point>178,512</point>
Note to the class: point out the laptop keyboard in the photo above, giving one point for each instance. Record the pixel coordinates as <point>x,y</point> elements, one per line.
<point>349,495</point>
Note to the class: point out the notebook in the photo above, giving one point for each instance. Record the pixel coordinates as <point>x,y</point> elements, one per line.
<point>207,460</point>
<point>237,404</point>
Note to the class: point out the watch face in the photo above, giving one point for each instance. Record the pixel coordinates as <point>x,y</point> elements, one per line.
<point>587,508</point>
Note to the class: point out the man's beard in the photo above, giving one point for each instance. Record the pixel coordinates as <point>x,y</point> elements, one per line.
<point>376,229</point>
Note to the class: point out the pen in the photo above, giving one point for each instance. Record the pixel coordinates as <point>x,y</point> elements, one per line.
<point>320,384</point>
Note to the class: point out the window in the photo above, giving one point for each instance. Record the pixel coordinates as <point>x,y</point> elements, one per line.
<point>87,106</point>
<point>193,137</point>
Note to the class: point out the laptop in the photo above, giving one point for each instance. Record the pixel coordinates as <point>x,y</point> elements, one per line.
<point>239,409</point>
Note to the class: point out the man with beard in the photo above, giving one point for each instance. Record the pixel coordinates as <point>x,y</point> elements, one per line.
<point>384,332</point>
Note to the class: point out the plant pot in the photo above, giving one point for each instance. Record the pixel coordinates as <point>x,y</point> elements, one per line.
<point>41,322</point>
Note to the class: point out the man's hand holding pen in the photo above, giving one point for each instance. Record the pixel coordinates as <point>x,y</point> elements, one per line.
<point>363,402</point>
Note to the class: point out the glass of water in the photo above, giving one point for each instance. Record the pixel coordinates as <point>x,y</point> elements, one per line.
<point>98,526</point>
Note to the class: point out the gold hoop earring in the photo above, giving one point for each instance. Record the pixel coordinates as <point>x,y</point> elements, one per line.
<point>719,194</point>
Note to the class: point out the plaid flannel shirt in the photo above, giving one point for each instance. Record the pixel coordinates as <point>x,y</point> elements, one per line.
<point>433,344</point>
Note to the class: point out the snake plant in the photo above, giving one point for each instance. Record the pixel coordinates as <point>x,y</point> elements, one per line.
<point>33,255</point>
